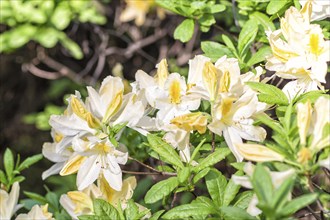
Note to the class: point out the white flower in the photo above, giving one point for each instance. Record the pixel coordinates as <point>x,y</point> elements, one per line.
<point>234,120</point>
<point>78,203</point>
<point>167,93</point>
<point>321,9</point>
<point>103,110</point>
<point>8,202</point>
<point>36,213</point>
<point>277,179</point>
<point>299,51</point>
<point>59,158</point>
<point>95,157</point>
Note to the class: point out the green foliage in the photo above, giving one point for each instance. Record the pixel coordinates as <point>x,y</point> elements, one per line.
<point>104,210</point>
<point>165,151</point>
<point>275,202</point>
<point>41,119</point>
<point>44,22</point>
<point>269,93</point>
<point>201,11</point>
<point>161,189</point>
<point>13,169</point>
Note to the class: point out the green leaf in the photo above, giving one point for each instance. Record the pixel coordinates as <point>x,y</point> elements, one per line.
<point>36,197</point>
<point>61,17</point>
<point>275,5</point>
<point>262,184</point>
<point>299,203</point>
<point>281,194</point>
<point>215,50</point>
<point>234,213</point>
<point>247,36</point>
<point>29,161</point>
<point>311,96</point>
<point>183,174</point>
<point>47,37</point>
<point>52,199</point>
<point>8,159</point>
<point>161,189</point>
<point>268,121</point>
<point>3,178</point>
<point>104,209</point>
<point>201,174</point>
<point>157,215</point>
<point>89,217</point>
<point>18,179</point>
<point>244,199</point>
<point>132,210</point>
<point>231,191</point>
<point>165,150</point>
<point>217,8</point>
<point>215,157</point>
<point>216,185</point>
<point>269,93</point>
<point>72,47</point>
<point>228,42</point>
<point>259,56</point>
<point>185,30</point>
<point>188,210</point>
<point>263,20</point>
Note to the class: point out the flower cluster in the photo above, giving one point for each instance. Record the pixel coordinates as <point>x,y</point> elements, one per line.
<point>86,138</point>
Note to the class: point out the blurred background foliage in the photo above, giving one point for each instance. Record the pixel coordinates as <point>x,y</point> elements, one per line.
<point>51,48</point>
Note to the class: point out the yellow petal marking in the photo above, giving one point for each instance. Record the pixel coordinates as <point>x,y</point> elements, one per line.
<point>113,106</point>
<point>58,137</point>
<point>106,190</point>
<point>92,121</point>
<point>304,155</point>
<point>162,73</point>
<point>81,200</point>
<point>258,153</point>
<point>175,92</point>
<point>82,113</point>
<point>210,78</point>
<point>72,166</point>
<point>78,108</point>
<point>314,43</point>
<point>224,82</point>
<point>191,121</point>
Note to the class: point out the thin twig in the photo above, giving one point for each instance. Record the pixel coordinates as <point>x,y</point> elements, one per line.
<point>311,189</point>
<point>213,142</point>
<point>145,165</point>
<point>173,201</point>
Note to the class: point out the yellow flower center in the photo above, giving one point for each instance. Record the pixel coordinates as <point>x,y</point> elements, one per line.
<point>314,43</point>
<point>175,92</point>
<point>104,148</point>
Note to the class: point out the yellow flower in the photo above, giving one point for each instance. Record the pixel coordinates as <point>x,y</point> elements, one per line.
<point>138,9</point>
<point>258,153</point>
<point>191,121</point>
